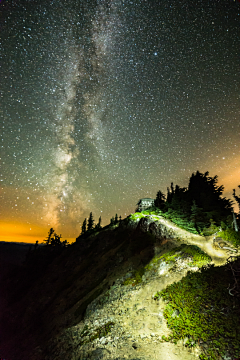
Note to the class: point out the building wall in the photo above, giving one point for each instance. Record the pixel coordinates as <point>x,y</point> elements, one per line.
<point>144,204</point>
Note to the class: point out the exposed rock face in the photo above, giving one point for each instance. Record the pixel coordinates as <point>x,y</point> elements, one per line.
<point>159,230</point>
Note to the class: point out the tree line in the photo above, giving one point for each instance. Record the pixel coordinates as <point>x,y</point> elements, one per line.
<point>88,227</point>
<point>200,207</point>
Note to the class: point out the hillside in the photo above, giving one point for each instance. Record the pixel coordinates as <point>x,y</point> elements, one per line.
<point>11,255</point>
<point>99,299</point>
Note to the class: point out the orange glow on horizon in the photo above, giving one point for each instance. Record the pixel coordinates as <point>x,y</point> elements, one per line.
<point>26,229</point>
<point>230,180</point>
<point>21,232</point>
<point>229,177</point>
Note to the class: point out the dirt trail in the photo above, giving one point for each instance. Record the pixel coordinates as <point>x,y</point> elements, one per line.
<point>147,324</point>
<point>218,256</point>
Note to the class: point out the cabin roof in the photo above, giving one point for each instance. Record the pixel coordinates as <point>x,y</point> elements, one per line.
<point>144,199</point>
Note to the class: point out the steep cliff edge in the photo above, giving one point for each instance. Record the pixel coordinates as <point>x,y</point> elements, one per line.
<point>97,300</point>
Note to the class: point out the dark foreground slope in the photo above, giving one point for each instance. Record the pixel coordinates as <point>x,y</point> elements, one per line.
<point>11,255</point>
<point>95,300</point>
<point>40,302</point>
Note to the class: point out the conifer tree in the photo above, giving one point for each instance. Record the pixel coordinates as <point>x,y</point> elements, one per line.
<point>49,238</point>
<point>207,194</point>
<point>116,219</point>
<point>56,240</point>
<point>84,226</point>
<point>98,226</point>
<point>170,194</point>
<point>160,200</point>
<point>90,222</point>
<point>197,217</point>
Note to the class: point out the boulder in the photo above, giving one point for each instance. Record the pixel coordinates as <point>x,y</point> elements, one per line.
<point>155,227</point>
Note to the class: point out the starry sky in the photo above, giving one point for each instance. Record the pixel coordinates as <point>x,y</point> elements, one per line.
<point>104,102</point>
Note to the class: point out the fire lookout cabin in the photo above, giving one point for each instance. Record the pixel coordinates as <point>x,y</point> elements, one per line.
<point>144,204</point>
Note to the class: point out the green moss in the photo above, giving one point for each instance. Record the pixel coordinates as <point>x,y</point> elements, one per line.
<point>198,257</point>
<point>230,235</point>
<point>136,216</point>
<point>155,217</point>
<point>200,308</point>
<point>87,334</point>
<point>178,219</point>
<point>136,279</point>
<point>85,331</point>
<point>148,212</point>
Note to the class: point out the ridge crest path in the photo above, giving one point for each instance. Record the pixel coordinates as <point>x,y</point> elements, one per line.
<point>138,319</point>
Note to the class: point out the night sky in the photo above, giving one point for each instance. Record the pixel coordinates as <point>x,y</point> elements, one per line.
<point>106,102</point>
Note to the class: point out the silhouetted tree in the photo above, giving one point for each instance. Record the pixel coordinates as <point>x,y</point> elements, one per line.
<point>197,217</point>
<point>237,198</point>
<point>98,226</point>
<point>48,240</point>
<point>170,194</point>
<point>84,226</point>
<point>56,240</point>
<point>116,219</point>
<point>65,243</point>
<point>160,200</point>
<point>90,222</point>
<point>112,221</point>
<point>207,194</point>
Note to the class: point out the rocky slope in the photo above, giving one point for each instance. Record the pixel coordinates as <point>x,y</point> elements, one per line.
<point>96,300</point>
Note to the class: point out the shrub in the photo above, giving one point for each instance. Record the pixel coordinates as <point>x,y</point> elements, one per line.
<point>230,235</point>
<point>200,308</point>
<point>136,216</point>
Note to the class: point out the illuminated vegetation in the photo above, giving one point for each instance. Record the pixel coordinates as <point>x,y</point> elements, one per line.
<point>197,257</point>
<point>203,308</point>
<point>89,334</point>
<point>199,208</point>
<point>136,216</point>
<point>201,311</point>
<point>231,236</point>
<point>136,279</point>
<point>192,253</point>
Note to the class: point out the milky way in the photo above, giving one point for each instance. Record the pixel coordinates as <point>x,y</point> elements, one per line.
<point>105,102</point>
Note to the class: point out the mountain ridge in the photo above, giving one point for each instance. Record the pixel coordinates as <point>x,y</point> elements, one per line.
<point>61,298</point>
